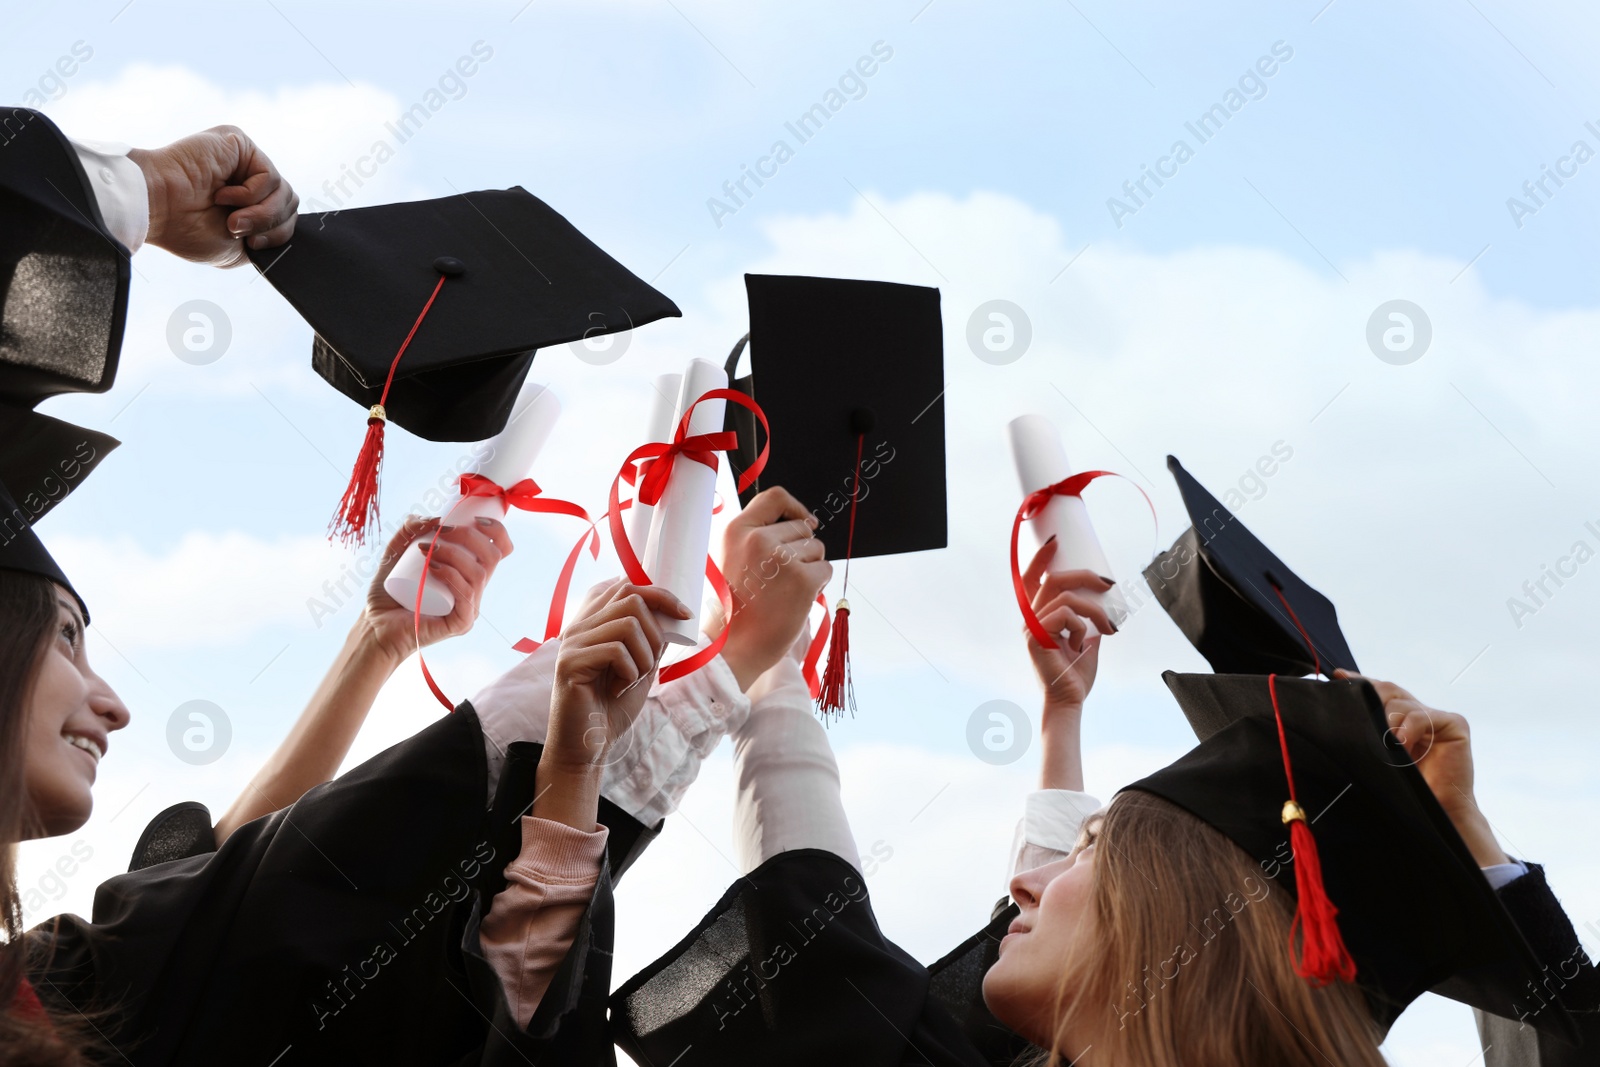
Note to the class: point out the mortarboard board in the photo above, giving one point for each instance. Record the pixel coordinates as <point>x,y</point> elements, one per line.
<point>495,275</point>
<point>1236,602</point>
<point>1380,836</point>
<point>829,356</point>
<point>63,276</point>
<point>850,375</point>
<point>42,460</point>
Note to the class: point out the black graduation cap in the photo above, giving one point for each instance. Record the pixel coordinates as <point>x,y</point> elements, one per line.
<point>831,360</point>
<point>1236,602</point>
<point>516,275</point>
<point>42,459</point>
<point>850,375</point>
<point>63,276</point>
<point>1383,841</point>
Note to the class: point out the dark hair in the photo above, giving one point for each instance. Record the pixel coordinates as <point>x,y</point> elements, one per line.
<point>27,616</point>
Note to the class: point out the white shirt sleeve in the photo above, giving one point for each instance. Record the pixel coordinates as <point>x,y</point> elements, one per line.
<point>1049,828</point>
<point>1503,874</point>
<point>119,189</point>
<point>786,779</point>
<point>651,766</point>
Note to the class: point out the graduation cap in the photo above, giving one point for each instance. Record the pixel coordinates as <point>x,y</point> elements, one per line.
<point>428,313</point>
<point>63,276</point>
<point>851,377</point>
<point>42,459</point>
<point>1380,840</point>
<point>1236,602</point>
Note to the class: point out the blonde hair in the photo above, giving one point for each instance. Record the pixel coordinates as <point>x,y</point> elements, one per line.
<point>1188,965</point>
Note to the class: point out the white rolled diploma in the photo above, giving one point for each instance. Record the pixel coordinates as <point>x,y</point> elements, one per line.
<point>664,414</point>
<point>1041,461</point>
<point>508,460</point>
<point>680,530</point>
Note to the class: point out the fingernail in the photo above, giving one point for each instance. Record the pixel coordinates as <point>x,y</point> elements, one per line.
<point>1047,540</point>
<point>484,520</point>
<point>1108,581</point>
<point>240,227</point>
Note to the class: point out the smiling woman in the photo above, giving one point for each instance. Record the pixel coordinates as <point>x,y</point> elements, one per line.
<point>46,771</point>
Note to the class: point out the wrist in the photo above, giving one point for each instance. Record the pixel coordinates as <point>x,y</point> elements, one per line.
<point>1476,833</point>
<point>155,183</point>
<point>567,791</point>
<point>745,669</point>
<point>368,644</point>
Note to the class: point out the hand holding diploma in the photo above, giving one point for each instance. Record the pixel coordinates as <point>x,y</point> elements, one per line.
<point>1041,462</point>
<point>604,658</point>
<point>464,559</point>
<point>509,458</point>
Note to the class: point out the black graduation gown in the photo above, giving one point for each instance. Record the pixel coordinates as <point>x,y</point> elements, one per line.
<point>790,968</point>
<point>1569,976</point>
<point>340,930</point>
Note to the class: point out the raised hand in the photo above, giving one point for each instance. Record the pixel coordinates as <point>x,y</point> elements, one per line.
<point>603,673</point>
<point>464,560</point>
<point>211,192</point>
<point>775,567</point>
<point>1440,744</point>
<point>1063,602</point>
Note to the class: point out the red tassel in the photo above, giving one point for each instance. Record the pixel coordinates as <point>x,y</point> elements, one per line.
<point>1323,956</point>
<point>358,508</point>
<point>838,694</point>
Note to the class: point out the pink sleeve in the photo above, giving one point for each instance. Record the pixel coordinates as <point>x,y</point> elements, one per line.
<point>534,920</point>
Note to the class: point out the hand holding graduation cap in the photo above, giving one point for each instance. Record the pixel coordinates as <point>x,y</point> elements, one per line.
<point>1440,744</point>
<point>211,192</point>
<point>775,566</point>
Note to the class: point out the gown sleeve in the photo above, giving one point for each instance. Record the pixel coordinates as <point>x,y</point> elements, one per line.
<point>1569,974</point>
<point>790,966</point>
<point>339,930</point>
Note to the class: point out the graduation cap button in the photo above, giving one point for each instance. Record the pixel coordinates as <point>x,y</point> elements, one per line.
<point>450,266</point>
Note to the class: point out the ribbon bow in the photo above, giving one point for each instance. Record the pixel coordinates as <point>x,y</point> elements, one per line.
<point>1032,505</point>
<point>702,448</point>
<point>524,495</point>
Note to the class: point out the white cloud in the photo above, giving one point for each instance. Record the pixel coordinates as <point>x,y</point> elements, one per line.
<point>207,590</point>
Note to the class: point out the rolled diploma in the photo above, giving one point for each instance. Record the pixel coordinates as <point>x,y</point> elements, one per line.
<point>510,457</point>
<point>680,529</point>
<point>1041,461</point>
<point>664,414</point>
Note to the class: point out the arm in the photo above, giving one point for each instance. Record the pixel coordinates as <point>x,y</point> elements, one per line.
<point>378,643</point>
<point>1054,813</point>
<point>786,780</point>
<point>602,673</point>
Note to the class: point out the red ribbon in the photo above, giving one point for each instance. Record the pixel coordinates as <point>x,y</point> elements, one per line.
<point>525,496</point>
<point>819,641</point>
<point>1032,505</point>
<point>558,596</point>
<point>664,454</point>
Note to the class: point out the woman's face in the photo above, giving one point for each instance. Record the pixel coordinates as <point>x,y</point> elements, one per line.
<point>72,713</point>
<point>1021,989</point>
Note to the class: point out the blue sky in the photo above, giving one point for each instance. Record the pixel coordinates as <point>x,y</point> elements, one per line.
<point>1225,315</point>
